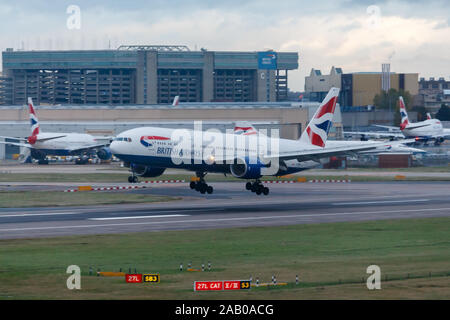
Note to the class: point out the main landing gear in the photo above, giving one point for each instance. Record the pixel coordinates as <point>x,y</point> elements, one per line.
<point>257,188</point>
<point>201,186</point>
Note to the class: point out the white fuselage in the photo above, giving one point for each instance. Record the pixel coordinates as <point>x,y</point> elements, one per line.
<point>192,150</point>
<point>428,129</point>
<point>64,144</point>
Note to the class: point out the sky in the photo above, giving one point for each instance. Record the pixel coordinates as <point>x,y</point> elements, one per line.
<point>355,35</point>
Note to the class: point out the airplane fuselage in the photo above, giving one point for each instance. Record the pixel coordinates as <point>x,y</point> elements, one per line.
<point>62,146</point>
<point>189,149</point>
<point>425,129</point>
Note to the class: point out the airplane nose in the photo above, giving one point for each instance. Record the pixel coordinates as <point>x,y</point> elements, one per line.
<point>113,147</point>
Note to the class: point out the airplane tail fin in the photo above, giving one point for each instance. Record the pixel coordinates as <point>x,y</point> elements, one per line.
<point>33,118</point>
<point>428,116</point>
<point>176,101</point>
<point>316,133</point>
<point>405,121</point>
<point>245,128</point>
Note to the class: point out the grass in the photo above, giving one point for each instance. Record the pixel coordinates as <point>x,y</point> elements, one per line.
<point>331,260</point>
<point>24,199</point>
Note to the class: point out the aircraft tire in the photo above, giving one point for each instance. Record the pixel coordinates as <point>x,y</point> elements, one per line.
<point>266,191</point>
<point>209,189</point>
<point>130,179</point>
<point>192,185</point>
<point>259,190</point>
<point>248,186</point>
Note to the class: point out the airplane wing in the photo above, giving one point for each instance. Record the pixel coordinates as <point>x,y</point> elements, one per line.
<point>376,134</point>
<point>50,138</point>
<point>395,129</point>
<point>38,140</point>
<point>15,138</point>
<point>18,144</point>
<point>316,154</point>
<point>85,148</point>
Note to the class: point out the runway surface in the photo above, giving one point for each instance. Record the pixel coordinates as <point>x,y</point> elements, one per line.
<point>232,206</point>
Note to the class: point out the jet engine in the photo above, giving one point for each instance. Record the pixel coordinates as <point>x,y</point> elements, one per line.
<point>148,172</point>
<point>243,169</point>
<point>38,154</point>
<point>104,153</point>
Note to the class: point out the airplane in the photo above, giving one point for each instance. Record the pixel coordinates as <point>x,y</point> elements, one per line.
<point>149,151</point>
<point>176,101</point>
<point>430,129</point>
<point>43,144</point>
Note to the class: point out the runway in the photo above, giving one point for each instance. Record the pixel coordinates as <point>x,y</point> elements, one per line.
<point>232,206</point>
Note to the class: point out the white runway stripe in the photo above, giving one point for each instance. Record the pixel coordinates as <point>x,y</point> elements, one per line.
<point>380,202</point>
<point>35,214</point>
<point>141,217</point>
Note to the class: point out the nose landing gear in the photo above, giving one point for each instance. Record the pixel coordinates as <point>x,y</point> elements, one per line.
<point>133,178</point>
<point>257,187</point>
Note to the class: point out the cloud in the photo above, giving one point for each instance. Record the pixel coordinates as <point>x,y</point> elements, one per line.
<point>325,33</point>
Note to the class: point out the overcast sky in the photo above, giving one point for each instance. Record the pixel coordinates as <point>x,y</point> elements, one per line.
<point>414,36</point>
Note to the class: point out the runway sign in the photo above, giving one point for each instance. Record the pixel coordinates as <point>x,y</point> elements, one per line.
<point>222,285</point>
<point>133,278</point>
<point>152,277</point>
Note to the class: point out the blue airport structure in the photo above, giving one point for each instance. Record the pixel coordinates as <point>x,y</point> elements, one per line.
<point>144,75</point>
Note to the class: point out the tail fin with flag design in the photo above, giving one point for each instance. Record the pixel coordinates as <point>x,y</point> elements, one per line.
<point>316,132</point>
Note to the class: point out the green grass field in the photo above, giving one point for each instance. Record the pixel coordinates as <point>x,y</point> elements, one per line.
<point>24,199</point>
<point>330,259</point>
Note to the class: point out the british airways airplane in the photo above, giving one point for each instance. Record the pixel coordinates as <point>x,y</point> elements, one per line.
<point>43,144</point>
<point>430,129</point>
<point>149,151</point>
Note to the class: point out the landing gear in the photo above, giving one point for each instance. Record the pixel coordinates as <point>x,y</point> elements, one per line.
<point>82,160</point>
<point>201,186</point>
<point>257,188</point>
<point>133,178</point>
<point>43,161</point>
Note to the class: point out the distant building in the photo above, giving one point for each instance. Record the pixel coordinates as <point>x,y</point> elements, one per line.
<point>144,75</point>
<point>358,88</point>
<point>433,93</point>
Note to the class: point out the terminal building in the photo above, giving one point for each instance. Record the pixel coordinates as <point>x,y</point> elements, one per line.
<point>358,88</point>
<point>433,93</point>
<point>144,75</point>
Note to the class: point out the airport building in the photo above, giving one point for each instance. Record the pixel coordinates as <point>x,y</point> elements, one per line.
<point>144,75</point>
<point>359,88</point>
<point>433,93</point>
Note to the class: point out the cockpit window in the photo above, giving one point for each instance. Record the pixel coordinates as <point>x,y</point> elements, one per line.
<point>122,139</point>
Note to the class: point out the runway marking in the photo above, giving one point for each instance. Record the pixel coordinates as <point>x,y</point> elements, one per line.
<point>379,202</point>
<point>36,214</point>
<point>223,219</point>
<point>141,217</point>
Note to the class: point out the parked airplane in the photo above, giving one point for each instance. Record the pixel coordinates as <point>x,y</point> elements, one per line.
<point>43,144</point>
<point>149,151</point>
<point>430,129</point>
